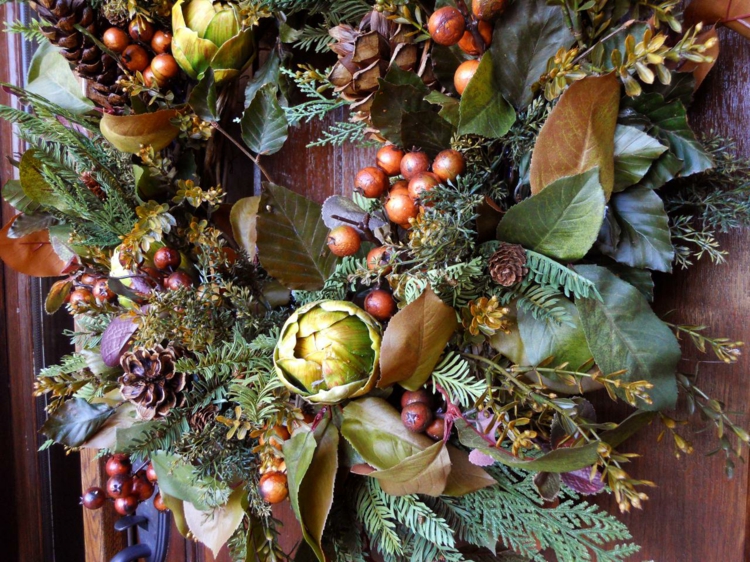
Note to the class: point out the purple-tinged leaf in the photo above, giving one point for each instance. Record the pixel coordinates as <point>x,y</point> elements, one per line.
<point>581,482</point>
<point>478,458</point>
<point>116,339</point>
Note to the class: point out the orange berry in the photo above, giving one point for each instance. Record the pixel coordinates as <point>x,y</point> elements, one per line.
<point>399,186</point>
<point>446,26</point>
<point>468,43</point>
<point>273,487</point>
<point>424,181</point>
<point>115,39</point>
<point>464,73</point>
<point>371,181</point>
<point>413,163</point>
<point>161,42</point>
<point>344,241</point>
<point>377,258</point>
<point>380,304</point>
<point>400,208</point>
<point>135,58</point>
<point>449,164</point>
<point>389,159</point>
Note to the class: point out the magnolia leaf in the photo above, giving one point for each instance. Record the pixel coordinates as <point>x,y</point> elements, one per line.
<point>266,74</point>
<point>75,421</point>
<point>483,110</point>
<point>466,476</point>
<point>579,134</point>
<point>31,255</point>
<point>57,295</point>
<point>525,38</point>
<point>29,224</point>
<point>735,14</point>
<point>645,239</point>
<point>414,341</point>
<point>426,130</point>
<point>264,125</point>
<point>177,507</point>
<point>128,133</point>
<point>35,186</point>
<point>176,478</point>
<point>292,239</point>
<point>425,472</point>
<point>127,438</point>
<point>116,339</point>
<point>244,220</point>
<point>561,222</point>
<point>543,339</point>
<point>106,438</point>
<point>204,98</point>
<point>635,151</point>
<point>624,333</point>
<point>215,527</point>
<point>700,70</point>
<point>51,78</point>
<point>15,196</point>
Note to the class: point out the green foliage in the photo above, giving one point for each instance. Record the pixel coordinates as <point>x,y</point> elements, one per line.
<point>541,301</point>
<point>455,375</point>
<point>338,284</point>
<point>545,271</point>
<point>30,31</point>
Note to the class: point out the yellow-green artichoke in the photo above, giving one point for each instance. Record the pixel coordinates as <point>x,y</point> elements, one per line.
<point>210,35</point>
<point>329,351</point>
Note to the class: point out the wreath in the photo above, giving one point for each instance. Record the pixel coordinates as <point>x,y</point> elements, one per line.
<point>409,366</point>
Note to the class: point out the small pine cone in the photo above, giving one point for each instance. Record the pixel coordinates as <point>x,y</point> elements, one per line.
<point>92,185</point>
<point>200,419</point>
<point>508,264</point>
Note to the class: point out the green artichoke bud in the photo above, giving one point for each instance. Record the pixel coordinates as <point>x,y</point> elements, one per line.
<point>329,351</point>
<point>210,35</point>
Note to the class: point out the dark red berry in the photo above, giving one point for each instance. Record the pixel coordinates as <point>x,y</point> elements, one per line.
<point>80,298</point>
<point>159,503</point>
<point>273,487</point>
<point>118,464</point>
<point>178,280</point>
<point>420,396</point>
<point>141,488</point>
<point>436,430</point>
<point>416,417</point>
<point>151,473</point>
<point>93,498</point>
<point>102,292</point>
<point>166,258</point>
<point>380,304</point>
<point>119,486</point>
<point>126,505</point>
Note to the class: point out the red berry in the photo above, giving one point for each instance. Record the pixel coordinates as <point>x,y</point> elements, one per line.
<point>389,159</point>
<point>93,498</point>
<point>148,78</point>
<point>380,304</point>
<point>88,279</point>
<point>273,487</point>
<point>178,280</point>
<point>141,488</point>
<point>161,42</point>
<point>159,503</point>
<point>126,505</point>
<point>416,417</point>
<point>446,26</point>
<point>344,241</point>
<point>371,181</point>
<point>151,473</point>
<point>119,486</point>
<point>448,165</point>
<point>436,430</point>
<point>102,292</point>
<point>414,163</point>
<point>80,298</point>
<point>141,30</point>
<point>166,258</point>
<point>135,58</point>
<point>165,68</point>
<point>115,39</point>
<point>118,464</point>
<point>420,396</point>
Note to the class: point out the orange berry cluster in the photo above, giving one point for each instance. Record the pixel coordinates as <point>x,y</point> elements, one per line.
<point>418,416</point>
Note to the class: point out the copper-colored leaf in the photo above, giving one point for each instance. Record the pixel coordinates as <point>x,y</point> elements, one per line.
<point>57,295</point>
<point>735,14</point>
<point>579,134</point>
<point>244,218</point>
<point>414,341</point>
<point>128,132</point>
<point>701,70</point>
<point>31,255</point>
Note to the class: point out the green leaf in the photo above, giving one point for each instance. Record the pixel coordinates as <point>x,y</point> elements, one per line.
<point>35,186</point>
<point>264,125</point>
<point>216,526</point>
<point>177,479</point>
<point>204,98</point>
<point>483,109</point>
<point>50,77</point>
<point>266,74</point>
<point>426,130</point>
<point>292,239</point>
<point>414,341</point>
<point>561,222</point>
<point>128,133</point>
<point>525,38</point>
<point>244,219</point>
<point>635,151</point>
<point>645,240</point>
<point>177,507</point>
<point>641,279</point>
<point>543,339</point>
<point>75,421</point>
<point>106,436</point>
<point>14,195</point>
<point>445,61</point>
<point>425,472</point>
<point>399,93</point>
<point>450,106</point>
<point>624,333</point>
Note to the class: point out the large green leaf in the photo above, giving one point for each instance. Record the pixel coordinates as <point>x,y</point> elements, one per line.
<point>645,240</point>
<point>561,222</point>
<point>399,93</point>
<point>14,195</point>
<point>292,239</point>
<point>483,109</point>
<point>264,125</point>
<point>216,526</point>
<point>525,38</point>
<point>624,333</point>
<point>35,186</point>
<point>177,478</point>
<point>445,61</point>
<point>414,341</point>
<point>75,421</point>
<point>635,151</point>
<point>50,77</point>
<point>427,131</point>
<point>266,74</point>
<point>204,98</point>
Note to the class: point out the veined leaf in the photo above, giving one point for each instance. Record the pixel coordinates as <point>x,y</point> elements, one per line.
<point>292,239</point>
<point>426,130</point>
<point>177,478</point>
<point>128,132</point>
<point>635,151</point>
<point>216,526</point>
<point>14,195</point>
<point>50,77</point>
<point>75,421</point>
<point>31,255</point>
<point>399,93</point>
<point>732,13</point>
<point>579,134</point>
<point>624,333</point>
<point>483,109</point>
<point>264,125</point>
<point>244,220</point>
<point>266,74</point>
<point>204,98</point>
<point>561,222</point>
<point>35,186</point>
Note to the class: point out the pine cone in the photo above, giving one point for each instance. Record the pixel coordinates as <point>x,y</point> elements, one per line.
<point>98,68</point>
<point>508,264</point>
<point>200,419</point>
<point>150,381</point>
<point>366,54</point>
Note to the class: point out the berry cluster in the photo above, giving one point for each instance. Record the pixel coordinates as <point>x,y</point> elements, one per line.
<point>143,48</point>
<point>125,487</point>
<point>418,416</point>
<point>273,486</point>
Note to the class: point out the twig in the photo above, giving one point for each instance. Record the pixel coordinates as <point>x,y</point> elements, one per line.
<point>255,159</point>
<point>364,226</point>
<point>584,54</point>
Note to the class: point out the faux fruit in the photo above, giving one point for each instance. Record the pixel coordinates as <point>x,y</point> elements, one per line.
<point>88,279</point>
<point>101,291</point>
<point>446,26</point>
<point>422,182</point>
<point>400,185</point>
<point>400,208</point>
<point>93,498</point>
<point>416,417</point>
<point>178,280</point>
<point>273,487</point>
<point>344,241</point>
<point>448,165</point>
<point>487,10</point>
<point>151,473</point>
<point>126,505</point>
<point>420,396</point>
<point>141,488</point>
<point>148,78</point>
<point>165,68</point>
<point>436,430</point>
<point>414,163</point>
<point>464,73</point>
<point>159,503</point>
<point>277,436</point>
<point>115,39</point>
<point>380,304</point>
<point>377,258</point>
<point>468,43</point>
<point>371,181</point>
<point>389,159</point>
<point>161,42</point>
<point>118,464</point>
<point>119,486</point>
<point>167,258</point>
<point>80,297</point>
<point>135,58</point>
<point>141,30</point>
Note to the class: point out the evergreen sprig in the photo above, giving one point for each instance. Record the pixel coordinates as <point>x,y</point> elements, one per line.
<point>455,375</point>
<point>548,272</point>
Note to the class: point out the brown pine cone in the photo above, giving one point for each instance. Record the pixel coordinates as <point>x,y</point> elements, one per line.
<point>200,419</point>
<point>150,382</point>
<point>508,264</point>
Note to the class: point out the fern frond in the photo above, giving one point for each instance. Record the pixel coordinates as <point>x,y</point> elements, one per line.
<point>337,285</point>
<point>540,300</point>
<point>546,271</point>
<point>455,375</point>
<point>378,518</point>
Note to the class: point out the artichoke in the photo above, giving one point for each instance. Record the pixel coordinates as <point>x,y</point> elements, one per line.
<point>329,351</point>
<point>210,35</point>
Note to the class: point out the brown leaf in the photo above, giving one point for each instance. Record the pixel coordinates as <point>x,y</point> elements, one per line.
<point>414,341</point>
<point>735,14</point>
<point>425,473</point>
<point>465,477</point>
<point>579,134</point>
<point>215,527</point>
<point>31,255</point>
<point>244,218</point>
<point>701,70</point>
<point>57,295</point>
<point>128,132</point>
